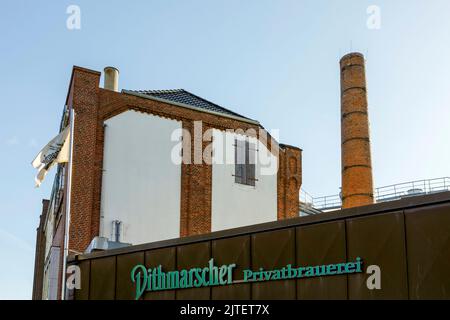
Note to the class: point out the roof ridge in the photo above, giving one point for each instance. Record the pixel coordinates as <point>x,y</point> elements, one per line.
<point>160,91</point>
<point>214,104</point>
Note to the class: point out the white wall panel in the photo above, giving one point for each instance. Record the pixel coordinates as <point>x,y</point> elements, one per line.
<point>141,184</point>
<point>236,205</point>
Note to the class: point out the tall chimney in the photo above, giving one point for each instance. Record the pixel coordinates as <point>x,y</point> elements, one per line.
<point>111,81</point>
<point>357,184</point>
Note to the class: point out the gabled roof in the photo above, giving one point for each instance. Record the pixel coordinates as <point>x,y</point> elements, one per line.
<point>181,96</point>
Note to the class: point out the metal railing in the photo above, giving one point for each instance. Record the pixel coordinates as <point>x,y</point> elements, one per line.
<point>387,193</point>
<point>306,207</point>
<point>327,202</point>
<point>412,188</point>
<point>305,197</point>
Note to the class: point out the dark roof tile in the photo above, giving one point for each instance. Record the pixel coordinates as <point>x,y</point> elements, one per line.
<point>185,97</point>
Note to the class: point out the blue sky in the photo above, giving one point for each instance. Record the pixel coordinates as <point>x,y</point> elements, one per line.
<point>275,61</point>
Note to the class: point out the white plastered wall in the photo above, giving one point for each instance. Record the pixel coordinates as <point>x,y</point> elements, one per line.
<point>141,184</point>
<point>236,205</point>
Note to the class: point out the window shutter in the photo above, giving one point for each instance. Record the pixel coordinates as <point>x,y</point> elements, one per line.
<point>250,163</point>
<point>239,161</point>
<point>245,162</point>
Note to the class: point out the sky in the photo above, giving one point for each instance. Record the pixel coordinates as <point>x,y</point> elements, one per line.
<point>274,61</point>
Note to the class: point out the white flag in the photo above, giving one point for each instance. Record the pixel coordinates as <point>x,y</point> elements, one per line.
<point>56,151</point>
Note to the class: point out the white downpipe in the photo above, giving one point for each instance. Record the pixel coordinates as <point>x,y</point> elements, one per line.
<point>69,203</point>
<point>101,230</point>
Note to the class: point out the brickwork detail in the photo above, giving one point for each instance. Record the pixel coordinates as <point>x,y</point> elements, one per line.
<point>289,181</point>
<point>196,188</point>
<point>85,92</point>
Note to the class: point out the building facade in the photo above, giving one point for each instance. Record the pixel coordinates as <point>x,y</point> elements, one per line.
<point>148,166</point>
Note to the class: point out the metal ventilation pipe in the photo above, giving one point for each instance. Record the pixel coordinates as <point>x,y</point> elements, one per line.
<point>111,80</point>
<point>357,181</point>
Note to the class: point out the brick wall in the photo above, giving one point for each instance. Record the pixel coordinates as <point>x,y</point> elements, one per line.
<point>196,187</point>
<point>39,257</point>
<point>289,181</point>
<point>85,100</point>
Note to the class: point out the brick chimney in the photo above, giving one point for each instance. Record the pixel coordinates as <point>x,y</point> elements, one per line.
<point>357,184</point>
<point>111,79</point>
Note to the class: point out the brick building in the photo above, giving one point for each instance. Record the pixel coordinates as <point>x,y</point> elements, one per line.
<point>147,166</point>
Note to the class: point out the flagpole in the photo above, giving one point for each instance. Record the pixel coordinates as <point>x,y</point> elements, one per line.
<point>68,206</point>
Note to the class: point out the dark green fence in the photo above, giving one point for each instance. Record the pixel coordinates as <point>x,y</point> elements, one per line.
<point>408,239</point>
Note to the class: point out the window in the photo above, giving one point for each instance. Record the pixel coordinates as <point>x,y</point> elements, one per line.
<point>244,162</point>
<point>51,273</point>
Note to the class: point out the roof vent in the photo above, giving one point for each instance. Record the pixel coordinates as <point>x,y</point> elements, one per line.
<point>102,244</point>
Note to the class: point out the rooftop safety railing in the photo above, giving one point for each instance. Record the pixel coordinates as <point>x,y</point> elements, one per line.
<point>382,194</point>
<point>413,188</point>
